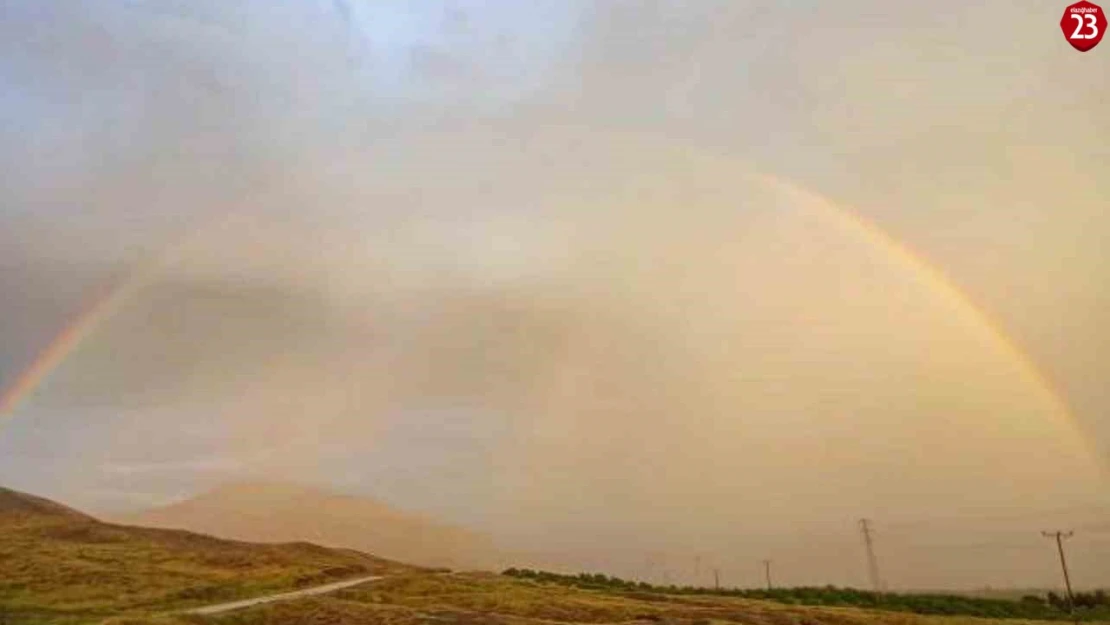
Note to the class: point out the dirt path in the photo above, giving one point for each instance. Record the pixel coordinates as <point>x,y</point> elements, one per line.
<point>285,596</point>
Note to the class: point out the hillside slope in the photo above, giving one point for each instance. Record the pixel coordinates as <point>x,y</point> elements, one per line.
<point>269,512</point>
<point>60,565</point>
<point>16,506</point>
<point>482,599</point>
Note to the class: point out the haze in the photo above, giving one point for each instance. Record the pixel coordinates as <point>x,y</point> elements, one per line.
<point>619,284</point>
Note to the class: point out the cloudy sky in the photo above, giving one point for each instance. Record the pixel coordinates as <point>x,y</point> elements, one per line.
<point>623,278</point>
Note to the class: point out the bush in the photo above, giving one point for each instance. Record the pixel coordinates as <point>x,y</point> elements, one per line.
<point>1094,606</point>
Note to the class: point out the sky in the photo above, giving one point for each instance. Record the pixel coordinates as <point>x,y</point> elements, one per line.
<point>626,281</point>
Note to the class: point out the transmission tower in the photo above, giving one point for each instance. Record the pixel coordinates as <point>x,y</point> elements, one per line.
<point>872,561</point>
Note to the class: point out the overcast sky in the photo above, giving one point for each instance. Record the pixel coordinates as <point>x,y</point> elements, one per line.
<point>579,273</point>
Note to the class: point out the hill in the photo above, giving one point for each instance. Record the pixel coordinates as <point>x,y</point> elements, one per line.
<point>477,598</point>
<point>18,507</point>
<point>60,565</point>
<point>271,512</point>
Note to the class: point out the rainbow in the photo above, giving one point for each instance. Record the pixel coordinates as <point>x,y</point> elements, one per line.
<point>60,347</point>
<point>109,301</point>
<point>101,307</point>
<point>941,286</point>
<point>104,303</point>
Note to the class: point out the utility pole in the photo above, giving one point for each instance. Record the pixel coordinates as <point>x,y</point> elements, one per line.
<point>767,574</point>
<point>697,570</point>
<point>872,561</point>
<point>1060,536</point>
<point>716,579</point>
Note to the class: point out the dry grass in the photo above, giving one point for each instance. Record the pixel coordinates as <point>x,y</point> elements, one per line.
<point>72,569</point>
<point>58,566</point>
<point>486,598</point>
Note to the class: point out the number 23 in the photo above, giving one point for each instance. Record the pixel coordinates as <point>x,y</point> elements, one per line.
<point>1091,22</point>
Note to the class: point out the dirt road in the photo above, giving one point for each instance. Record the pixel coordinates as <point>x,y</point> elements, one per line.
<point>306,592</point>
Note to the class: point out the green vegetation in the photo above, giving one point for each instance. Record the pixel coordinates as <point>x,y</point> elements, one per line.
<point>1090,607</point>
<point>472,598</point>
<point>60,566</point>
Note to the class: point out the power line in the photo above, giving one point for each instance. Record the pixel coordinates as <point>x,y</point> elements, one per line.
<point>1060,536</point>
<point>872,561</point>
<point>1100,527</point>
<point>955,519</point>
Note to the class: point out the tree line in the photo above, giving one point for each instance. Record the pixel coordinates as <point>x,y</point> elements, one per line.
<point>1089,606</point>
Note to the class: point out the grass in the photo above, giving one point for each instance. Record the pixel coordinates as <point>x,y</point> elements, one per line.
<point>466,599</point>
<point>1030,607</point>
<point>58,566</point>
<point>62,567</point>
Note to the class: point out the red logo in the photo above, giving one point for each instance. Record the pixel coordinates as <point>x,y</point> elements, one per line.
<point>1083,25</point>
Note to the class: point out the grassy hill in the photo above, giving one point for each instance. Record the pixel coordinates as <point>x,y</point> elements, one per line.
<point>277,512</point>
<point>59,565</point>
<point>481,598</point>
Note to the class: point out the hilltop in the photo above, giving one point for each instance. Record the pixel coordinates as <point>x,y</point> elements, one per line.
<point>61,565</point>
<point>280,512</point>
<point>17,507</point>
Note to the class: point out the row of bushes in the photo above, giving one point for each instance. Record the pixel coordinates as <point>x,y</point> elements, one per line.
<point>1090,606</point>
<point>1083,600</point>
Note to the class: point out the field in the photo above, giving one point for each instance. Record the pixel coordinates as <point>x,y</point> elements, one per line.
<point>465,599</point>
<point>60,566</point>
<point>1030,605</point>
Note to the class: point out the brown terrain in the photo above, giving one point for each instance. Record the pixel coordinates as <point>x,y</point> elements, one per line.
<point>272,512</point>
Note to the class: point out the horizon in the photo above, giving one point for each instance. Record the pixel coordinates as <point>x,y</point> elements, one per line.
<point>622,283</point>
